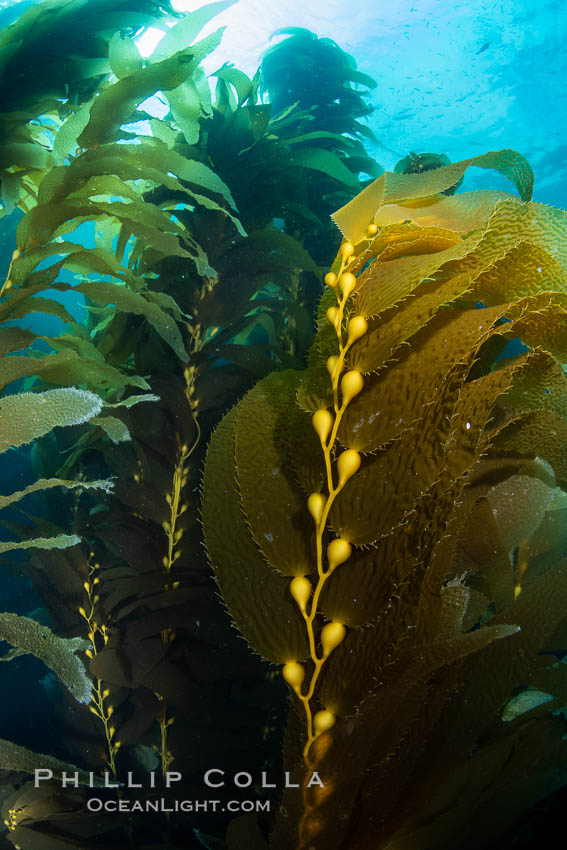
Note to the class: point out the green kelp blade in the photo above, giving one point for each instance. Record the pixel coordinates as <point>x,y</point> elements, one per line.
<point>15,339</point>
<point>129,301</point>
<point>25,306</point>
<point>17,758</point>
<point>186,30</point>
<point>238,79</point>
<point>68,367</point>
<point>27,262</point>
<point>113,427</point>
<point>65,142</point>
<point>48,483</point>
<point>265,477</point>
<point>124,56</point>
<point>60,541</point>
<point>327,162</point>
<point>115,105</point>
<point>151,159</point>
<point>257,597</point>
<point>56,653</point>
<point>185,105</point>
<point>39,224</point>
<point>10,186</point>
<point>27,416</point>
<point>391,188</point>
<point>25,154</point>
<point>104,187</point>
<point>133,400</point>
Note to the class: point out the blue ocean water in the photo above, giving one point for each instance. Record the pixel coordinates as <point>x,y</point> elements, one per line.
<point>453,77</point>
<point>457,78</point>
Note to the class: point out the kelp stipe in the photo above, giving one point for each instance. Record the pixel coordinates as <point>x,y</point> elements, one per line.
<point>389,525</point>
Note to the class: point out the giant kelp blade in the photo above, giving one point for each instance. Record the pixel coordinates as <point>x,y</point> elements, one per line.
<point>27,416</point>
<point>415,378</point>
<point>48,483</point>
<point>124,55</point>
<point>540,385</point>
<point>545,594</point>
<point>133,302</point>
<point>392,188</point>
<point>67,368</point>
<point>454,438</point>
<point>400,277</point>
<point>385,336</point>
<point>59,541</point>
<point>256,596</point>
<point>346,760</point>
<point>513,222</point>
<point>29,636</point>
<point>416,718</point>
<point>265,480</point>
<point>115,105</point>
<point>468,809</point>
<point>18,758</point>
<point>525,270</point>
<point>536,223</point>
<point>540,433</point>
<point>461,213</point>
<point>544,327</point>
<point>186,30</point>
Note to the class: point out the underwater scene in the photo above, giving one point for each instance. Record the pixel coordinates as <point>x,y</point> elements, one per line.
<point>283,425</point>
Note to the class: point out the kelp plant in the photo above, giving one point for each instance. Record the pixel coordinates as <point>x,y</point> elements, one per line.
<point>89,177</point>
<point>389,525</point>
<point>52,60</point>
<point>187,298</point>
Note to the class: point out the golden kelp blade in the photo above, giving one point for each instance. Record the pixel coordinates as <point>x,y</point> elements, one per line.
<point>431,471</point>
<point>393,188</point>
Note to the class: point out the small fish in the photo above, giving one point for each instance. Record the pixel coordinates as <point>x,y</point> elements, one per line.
<point>484,47</point>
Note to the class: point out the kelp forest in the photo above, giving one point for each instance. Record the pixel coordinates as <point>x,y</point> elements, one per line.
<point>284,457</point>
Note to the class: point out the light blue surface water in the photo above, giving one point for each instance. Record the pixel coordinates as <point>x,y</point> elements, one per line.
<point>458,78</point>
<point>453,77</point>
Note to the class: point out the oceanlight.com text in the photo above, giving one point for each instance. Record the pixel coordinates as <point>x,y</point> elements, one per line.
<point>97,804</point>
